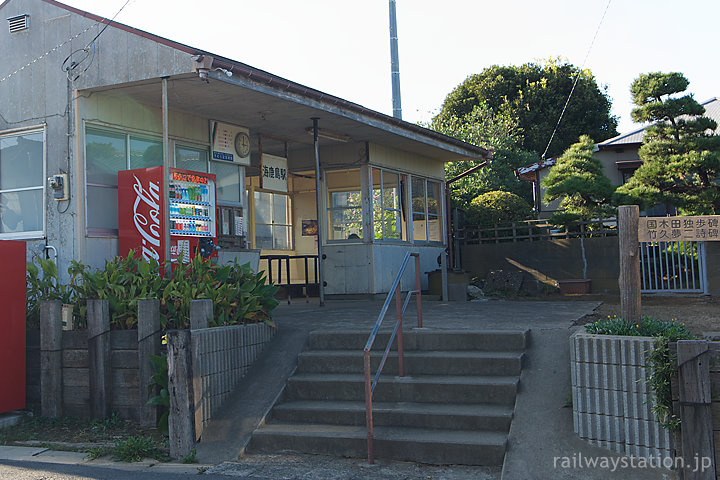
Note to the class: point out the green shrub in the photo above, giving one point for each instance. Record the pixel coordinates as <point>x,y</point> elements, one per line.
<point>239,296</point>
<point>648,327</point>
<point>496,208</point>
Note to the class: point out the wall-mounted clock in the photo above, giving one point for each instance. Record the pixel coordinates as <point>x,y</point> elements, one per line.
<point>242,144</point>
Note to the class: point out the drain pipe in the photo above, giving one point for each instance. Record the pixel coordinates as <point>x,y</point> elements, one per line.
<point>320,223</point>
<point>450,237</point>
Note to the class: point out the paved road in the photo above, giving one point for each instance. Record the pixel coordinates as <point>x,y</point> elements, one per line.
<point>28,470</point>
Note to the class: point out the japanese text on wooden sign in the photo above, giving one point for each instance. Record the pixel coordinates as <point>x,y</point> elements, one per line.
<point>274,173</point>
<point>701,228</point>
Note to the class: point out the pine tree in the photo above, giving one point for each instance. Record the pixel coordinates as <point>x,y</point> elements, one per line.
<point>578,179</point>
<point>680,152</point>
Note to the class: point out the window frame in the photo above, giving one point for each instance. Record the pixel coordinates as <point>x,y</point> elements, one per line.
<point>100,232</point>
<point>289,226</point>
<point>329,209</point>
<point>426,213</point>
<point>30,234</point>
<point>401,217</point>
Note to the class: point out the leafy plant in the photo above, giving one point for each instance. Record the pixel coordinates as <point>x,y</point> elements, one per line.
<point>661,363</point>
<point>122,282</point>
<point>191,458</point>
<point>159,380</point>
<point>43,284</point>
<point>239,295</point>
<point>97,452</point>
<point>134,449</point>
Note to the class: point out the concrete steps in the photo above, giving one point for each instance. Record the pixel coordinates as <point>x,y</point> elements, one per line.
<point>453,406</point>
<point>408,444</point>
<point>416,362</point>
<point>402,414</point>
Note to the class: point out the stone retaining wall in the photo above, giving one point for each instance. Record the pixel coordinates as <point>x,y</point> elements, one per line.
<point>612,402</point>
<point>221,357</point>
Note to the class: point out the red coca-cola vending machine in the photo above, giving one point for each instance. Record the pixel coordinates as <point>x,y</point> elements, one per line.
<point>191,214</point>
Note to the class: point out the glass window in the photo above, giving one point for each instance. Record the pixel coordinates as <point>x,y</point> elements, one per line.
<point>419,208</point>
<point>427,210</point>
<point>22,185</point>
<point>191,159</point>
<point>388,217</point>
<point>344,204</point>
<point>228,182</point>
<point>273,227</point>
<point>106,153</point>
<point>145,153</point>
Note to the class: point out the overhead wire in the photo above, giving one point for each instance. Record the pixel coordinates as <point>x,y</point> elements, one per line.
<point>86,49</point>
<point>577,77</point>
<point>60,45</point>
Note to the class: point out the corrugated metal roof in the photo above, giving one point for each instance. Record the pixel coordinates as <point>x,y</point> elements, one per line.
<point>712,110</point>
<point>536,166</point>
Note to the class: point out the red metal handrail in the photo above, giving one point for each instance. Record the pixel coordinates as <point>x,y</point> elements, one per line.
<point>395,290</point>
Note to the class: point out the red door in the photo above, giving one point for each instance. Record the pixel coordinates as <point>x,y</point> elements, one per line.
<point>12,325</point>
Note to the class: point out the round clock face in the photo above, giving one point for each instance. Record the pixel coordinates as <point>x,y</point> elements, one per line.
<point>242,144</point>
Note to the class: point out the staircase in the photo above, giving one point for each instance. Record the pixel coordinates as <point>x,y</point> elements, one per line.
<point>454,405</point>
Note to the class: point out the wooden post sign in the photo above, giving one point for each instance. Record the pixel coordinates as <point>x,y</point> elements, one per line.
<point>701,228</point>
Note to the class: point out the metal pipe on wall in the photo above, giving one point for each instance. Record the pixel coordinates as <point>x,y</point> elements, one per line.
<point>319,203</point>
<point>166,163</point>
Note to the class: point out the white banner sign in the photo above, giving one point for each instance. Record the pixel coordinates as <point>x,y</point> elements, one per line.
<point>230,143</point>
<point>274,173</point>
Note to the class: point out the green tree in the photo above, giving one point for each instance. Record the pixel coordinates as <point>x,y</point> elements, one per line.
<point>498,132</point>
<point>496,208</point>
<point>534,95</point>
<point>680,152</point>
<point>577,179</point>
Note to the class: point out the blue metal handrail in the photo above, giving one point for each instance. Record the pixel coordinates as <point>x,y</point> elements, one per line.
<point>395,291</point>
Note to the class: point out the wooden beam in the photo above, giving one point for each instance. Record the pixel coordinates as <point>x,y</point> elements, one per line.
<point>629,281</point>
<point>695,398</point>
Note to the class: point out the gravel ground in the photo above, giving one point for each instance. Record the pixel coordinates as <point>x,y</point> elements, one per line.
<point>699,313</point>
<point>322,467</point>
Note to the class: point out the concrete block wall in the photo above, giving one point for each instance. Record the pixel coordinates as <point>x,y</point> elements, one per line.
<point>221,357</point>
<point>612,402</point>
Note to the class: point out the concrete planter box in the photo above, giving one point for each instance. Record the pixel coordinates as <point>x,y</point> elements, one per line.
<point>612,402</point>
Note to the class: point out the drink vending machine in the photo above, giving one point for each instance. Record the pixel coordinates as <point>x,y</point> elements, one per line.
<point>191,214</point>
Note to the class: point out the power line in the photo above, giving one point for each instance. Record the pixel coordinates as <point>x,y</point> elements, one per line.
<point>37,59</point>
<point>73,65</point>
<point>577,77</point>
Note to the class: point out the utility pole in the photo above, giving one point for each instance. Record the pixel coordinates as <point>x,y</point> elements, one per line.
<point>394,63</point>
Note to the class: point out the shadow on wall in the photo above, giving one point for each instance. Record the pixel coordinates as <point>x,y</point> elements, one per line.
<point>549,261</point>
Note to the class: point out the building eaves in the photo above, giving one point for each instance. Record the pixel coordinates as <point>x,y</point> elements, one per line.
<point>282,84</point>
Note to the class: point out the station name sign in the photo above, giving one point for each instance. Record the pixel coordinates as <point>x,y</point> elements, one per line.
<point>701,228</point>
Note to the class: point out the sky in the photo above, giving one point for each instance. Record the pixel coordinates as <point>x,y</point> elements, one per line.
<point>342,47</point>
